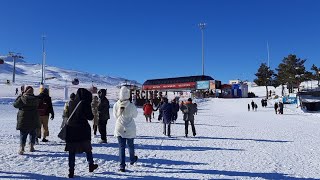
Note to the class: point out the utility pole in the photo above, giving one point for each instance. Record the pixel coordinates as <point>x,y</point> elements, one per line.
<point>202,26</point>
<point>14,57</point>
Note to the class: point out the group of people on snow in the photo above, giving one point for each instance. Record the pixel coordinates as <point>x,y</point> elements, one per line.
<point>254,106</point>
<point>33,116</point>
<point>34,113</point>
<point>168,113</point>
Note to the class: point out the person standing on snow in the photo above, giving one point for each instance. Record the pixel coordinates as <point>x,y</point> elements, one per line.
<point>280,108</point>
<point>65,114</point>
<point>166,110</point>
<point>78,137</point>
<point>188,110</point>
<point>125,129</point>
<point>175,110</point>
<point>45,108</point>
<point>252,105</point>
<point>276,107</point>
<point>103,109</point>
<point>27,118</point>
<point>147,110</point>
<point>248,107</point>
<point>17,91</point>
<point>94,105</point>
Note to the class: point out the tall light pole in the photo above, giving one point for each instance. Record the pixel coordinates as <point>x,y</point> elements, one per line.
<point>202,26</point>
<point>268,54</point>
<point>43,60</point>
<point>14,57</point>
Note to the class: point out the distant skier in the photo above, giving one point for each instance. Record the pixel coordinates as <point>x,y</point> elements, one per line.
<point>248,107</point>
<point>17,91</point>
<point>255,106</point>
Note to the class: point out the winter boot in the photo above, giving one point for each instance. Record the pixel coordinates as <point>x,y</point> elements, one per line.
<point>92,167</point>
<point>21,150</point>
<point>135,160</point>
<point>32,148</point>
<point>71,173</point>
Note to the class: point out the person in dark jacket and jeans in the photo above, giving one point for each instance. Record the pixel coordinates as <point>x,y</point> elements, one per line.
<point>188,110</point>
<point>78,137</point>
<point>103,110</point>
<point>45,108</point>
<point>166,111</point>
<point>27,118</point>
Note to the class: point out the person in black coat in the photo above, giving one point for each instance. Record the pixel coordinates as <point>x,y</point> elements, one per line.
<point>27,118</point>
<point>175,109</point>
<point>166,110</point>
<point>280,108</point>
<point>78,135</point>
<point>44,109</point>
<point>252,105</point>
<point>276,107</point>
<point>103,110</point>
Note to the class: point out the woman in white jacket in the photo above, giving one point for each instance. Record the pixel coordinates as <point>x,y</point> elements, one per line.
<point>125,130</point>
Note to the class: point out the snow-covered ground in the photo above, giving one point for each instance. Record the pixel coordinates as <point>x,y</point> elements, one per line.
<point>231,143</point>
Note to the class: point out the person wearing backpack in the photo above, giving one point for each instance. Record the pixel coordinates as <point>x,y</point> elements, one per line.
<point>147,110</point>
<point>44,109</point>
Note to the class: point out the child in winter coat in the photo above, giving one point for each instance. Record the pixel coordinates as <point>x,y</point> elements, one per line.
<point>125,129</point>
<point>147,110</point>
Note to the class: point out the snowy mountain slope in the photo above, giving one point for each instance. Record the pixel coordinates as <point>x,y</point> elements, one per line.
<point>31,73</point>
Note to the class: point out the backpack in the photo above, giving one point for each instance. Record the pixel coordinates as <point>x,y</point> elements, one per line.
<point>43,107</point>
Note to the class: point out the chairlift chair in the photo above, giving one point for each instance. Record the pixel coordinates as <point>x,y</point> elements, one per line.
<point>75,81</point>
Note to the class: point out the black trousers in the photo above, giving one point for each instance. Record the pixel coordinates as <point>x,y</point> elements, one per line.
<point>167,129</point>
<point>103,129</point>
<point>186,124</point>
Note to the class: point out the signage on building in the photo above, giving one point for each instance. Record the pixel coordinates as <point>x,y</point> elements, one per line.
<point>203,84</point>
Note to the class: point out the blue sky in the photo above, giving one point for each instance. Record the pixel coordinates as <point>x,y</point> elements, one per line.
<point>147,39</point>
